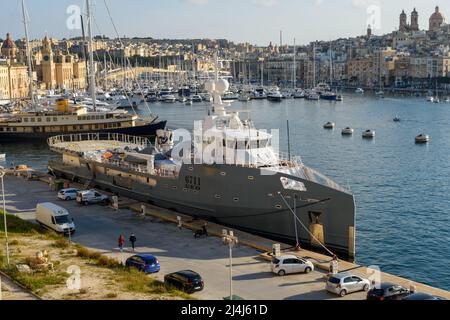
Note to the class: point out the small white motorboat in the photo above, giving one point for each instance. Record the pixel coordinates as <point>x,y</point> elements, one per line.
<point>359,90</point>
<point>313,97</point>
<point>430,99</point>
<point>168,98</point>
<point>422,138</point>
<point>244,98</point>
<point>2,157</point>
<point>329,125</point>
<point>368,134</point>
<point>339,98</point>
<point>347,131</point>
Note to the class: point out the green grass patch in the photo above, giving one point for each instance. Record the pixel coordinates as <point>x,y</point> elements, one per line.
<point>19,226</point>
<point>38,281</point>
<point>85,253</point>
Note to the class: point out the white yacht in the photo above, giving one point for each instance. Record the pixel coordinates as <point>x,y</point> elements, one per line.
<point>259,94</point>
<point>299,94</point>
<point>329,125</point>
<point>230,96</point>
<point>368,134</point>
<point>275,95</point>
<point>347,131</point>
<point>313,96</point>
<point>168,98</point>
<point>422,138</point>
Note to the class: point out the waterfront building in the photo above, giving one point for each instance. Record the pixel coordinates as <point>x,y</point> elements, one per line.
<point>359,71</point>
<point>14,83</point>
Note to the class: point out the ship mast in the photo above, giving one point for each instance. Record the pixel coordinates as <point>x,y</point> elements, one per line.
<point>295,66</point>
<point>91,57</point>
<point>28,52</point>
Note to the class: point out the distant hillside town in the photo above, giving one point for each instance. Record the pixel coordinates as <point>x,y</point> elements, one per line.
<point>406,58</point>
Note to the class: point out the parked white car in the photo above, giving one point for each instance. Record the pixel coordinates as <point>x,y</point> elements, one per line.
<point>87,197</point>
<point>68,194</point>
<point>290,264</point>
<point>344,283</point>
<point>54,217</point>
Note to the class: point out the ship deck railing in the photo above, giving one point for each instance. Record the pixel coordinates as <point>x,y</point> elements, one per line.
<point>84,142</point>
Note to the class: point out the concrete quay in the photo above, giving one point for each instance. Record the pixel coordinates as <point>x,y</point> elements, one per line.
<point>99,227</point>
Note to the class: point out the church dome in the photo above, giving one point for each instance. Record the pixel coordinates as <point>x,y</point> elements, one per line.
<point>8,43</point>
<point>437,15</point>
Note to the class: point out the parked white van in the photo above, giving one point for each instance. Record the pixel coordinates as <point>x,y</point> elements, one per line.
<point>54,217</point>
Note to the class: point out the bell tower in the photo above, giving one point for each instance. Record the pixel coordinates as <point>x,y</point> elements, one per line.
<point>403,22</point>
<point>48,64</point>
<point>414,20</point>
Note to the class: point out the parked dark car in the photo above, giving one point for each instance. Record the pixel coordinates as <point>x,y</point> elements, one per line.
<point>144,262</point>
<point>388,291</point>
<point>423,296</point>
<point>187,281</point>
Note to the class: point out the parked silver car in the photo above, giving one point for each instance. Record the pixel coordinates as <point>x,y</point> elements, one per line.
<point>344,283</point>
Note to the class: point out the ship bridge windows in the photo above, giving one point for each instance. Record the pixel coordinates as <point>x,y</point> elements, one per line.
<point>25,119</point>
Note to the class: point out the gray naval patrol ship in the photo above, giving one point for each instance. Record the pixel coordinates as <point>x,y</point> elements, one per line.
<point>245,183</point>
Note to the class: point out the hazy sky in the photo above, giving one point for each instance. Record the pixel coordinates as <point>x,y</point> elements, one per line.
<point>255,21</point>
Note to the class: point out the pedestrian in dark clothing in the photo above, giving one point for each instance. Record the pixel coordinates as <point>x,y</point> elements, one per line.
<point>133,240</point>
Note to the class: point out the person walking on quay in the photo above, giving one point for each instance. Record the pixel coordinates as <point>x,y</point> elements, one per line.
<point>121,242</point>
<point>133,240</point>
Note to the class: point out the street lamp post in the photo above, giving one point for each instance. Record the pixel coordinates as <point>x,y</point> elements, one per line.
<point>2,174</point>
<point>229,239</point>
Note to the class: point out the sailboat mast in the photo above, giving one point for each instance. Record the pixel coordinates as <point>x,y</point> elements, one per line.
<point>28,49</point>
<point>314,65</point>
<point>295,65</point>
<point>91,56</point>
<point>331,66</point>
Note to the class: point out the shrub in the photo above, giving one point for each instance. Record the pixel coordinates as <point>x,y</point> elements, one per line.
<point>107,262</point>
<point>61,243</point>
<point>87,254</point>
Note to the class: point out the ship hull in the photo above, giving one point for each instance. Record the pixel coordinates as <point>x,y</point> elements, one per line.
<point>148,130</point>
<point>226,195</point>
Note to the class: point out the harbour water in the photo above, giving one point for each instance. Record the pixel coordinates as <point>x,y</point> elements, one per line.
<point>401,189</point>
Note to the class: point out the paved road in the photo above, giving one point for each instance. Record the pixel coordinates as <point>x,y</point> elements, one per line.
<point>99,228</point>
